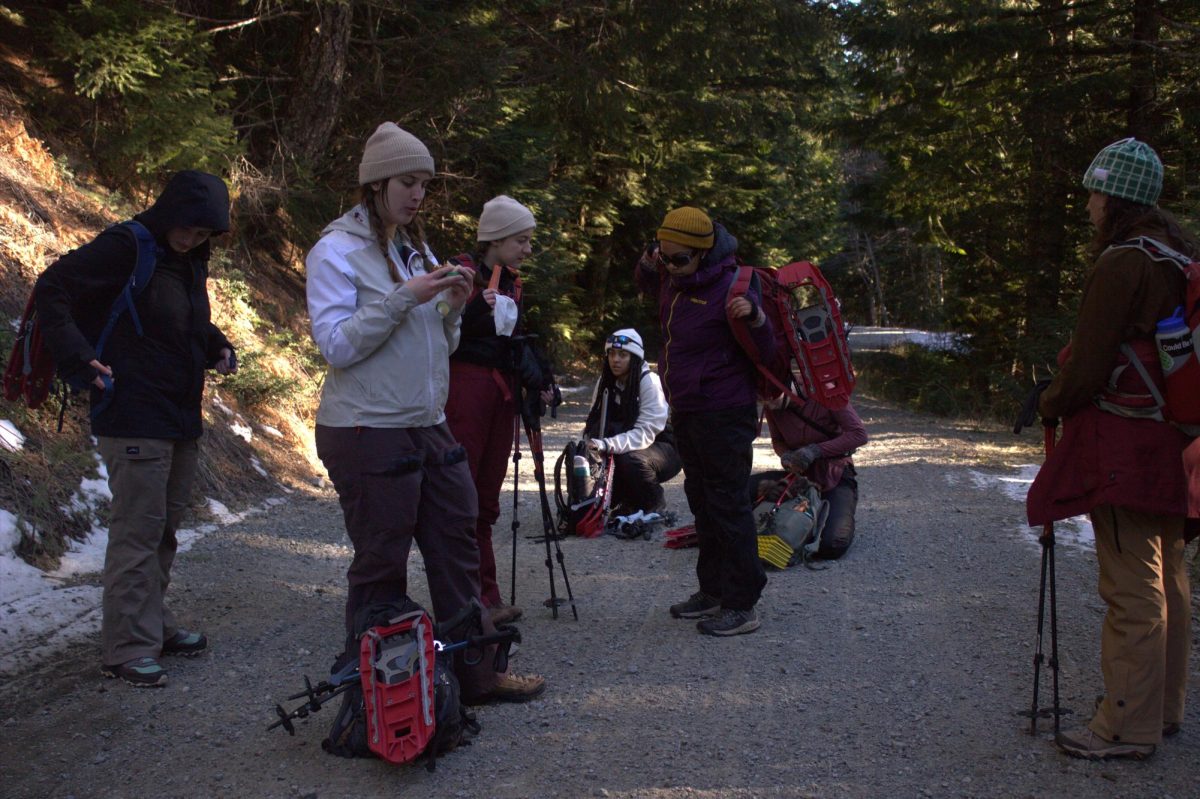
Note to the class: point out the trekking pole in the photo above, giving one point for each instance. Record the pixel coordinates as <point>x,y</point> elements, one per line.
<point>516,521</point>
<point>1046,539</point>
<point>534,436</point>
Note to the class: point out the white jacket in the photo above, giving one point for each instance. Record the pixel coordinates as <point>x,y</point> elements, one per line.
<point>388,355</point>
<point>652,415</point>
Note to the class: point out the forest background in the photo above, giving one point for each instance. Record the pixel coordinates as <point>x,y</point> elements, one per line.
<point>926,154</point>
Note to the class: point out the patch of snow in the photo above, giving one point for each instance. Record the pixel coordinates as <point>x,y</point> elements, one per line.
<point>221,406</point>
<point>241,429</point>
<point>881,338</point>
<point>1076,531</point>
<point>271,431</point>
<point>256,464</point>
<point>11,438</point>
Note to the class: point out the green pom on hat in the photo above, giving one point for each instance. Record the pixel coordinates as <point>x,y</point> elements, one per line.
<point>1129,169</point>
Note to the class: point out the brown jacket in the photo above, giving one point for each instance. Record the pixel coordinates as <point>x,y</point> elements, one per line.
<point>1123,299</point>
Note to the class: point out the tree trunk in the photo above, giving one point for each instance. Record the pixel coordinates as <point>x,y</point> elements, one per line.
<point>1144,120</point>
<point>320,73</point>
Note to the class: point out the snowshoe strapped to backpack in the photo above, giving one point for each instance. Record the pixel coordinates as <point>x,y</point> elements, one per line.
<point>812,355</point>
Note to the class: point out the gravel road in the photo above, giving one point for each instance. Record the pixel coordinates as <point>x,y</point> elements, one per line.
<point>896,672</point>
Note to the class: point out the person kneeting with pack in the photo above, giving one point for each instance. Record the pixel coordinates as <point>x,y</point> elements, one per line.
<point>145,371</point>
<point>710,387</point>
<point>1120,463</point>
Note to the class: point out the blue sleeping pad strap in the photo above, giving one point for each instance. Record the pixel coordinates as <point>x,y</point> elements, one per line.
<point>143,270</point>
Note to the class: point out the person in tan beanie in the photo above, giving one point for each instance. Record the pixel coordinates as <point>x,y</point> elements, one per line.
<point>386,317</point>
<point>489,370</point>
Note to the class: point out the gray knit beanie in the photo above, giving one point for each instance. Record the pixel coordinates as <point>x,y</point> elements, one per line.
<point>393,151</point>
<point>503,217</point>
<point>1129,169</point>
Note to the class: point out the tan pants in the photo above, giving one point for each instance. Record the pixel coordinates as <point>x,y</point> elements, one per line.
<point>150,480</point>
<point>1146,639</point>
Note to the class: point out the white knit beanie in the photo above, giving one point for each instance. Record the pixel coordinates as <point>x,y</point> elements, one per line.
<point>626,339</point>
<point>503,217</point>
<point>393,151</point>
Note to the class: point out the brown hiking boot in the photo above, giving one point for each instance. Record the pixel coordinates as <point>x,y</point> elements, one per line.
<point>503,614</point>
<point>512,688</point>
<point>1087,744</point>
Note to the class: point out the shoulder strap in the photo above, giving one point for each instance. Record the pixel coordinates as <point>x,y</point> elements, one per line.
<point>1154,250</point>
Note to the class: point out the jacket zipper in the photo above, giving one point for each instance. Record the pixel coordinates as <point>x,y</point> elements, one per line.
<point>667,347</point>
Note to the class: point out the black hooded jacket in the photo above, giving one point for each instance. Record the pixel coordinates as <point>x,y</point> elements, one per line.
<point>158,377</point>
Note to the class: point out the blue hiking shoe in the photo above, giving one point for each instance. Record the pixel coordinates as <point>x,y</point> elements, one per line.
<point>139,672</point>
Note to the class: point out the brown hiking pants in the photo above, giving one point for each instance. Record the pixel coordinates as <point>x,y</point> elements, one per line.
<point>1146,638</point>
<point>151,481</point>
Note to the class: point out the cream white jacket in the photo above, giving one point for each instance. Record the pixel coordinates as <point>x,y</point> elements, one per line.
<point>652,416</point>
<point>388,355</point>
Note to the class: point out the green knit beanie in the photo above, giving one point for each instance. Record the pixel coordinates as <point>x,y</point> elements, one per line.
<point>1129,169</point>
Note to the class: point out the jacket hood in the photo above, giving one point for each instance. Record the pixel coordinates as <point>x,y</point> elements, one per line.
<point>714,263</point>
<point>355,222</point>
<point>190,199</point>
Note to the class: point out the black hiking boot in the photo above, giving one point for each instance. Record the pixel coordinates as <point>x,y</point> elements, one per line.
<point>698,606</point>
<point>730,622</point>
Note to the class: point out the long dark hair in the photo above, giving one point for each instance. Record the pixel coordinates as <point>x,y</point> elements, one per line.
<point>1122,216</point>
<point>630,399</point>
<point>414,230</point>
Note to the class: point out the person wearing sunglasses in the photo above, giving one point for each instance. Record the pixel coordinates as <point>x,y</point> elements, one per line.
<point>636,431</point>
<point>710,387</point>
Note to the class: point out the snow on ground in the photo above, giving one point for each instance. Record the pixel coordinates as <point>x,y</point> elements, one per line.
<point>1076,531</point>
<point>44,610</point>
<point>881,338</point>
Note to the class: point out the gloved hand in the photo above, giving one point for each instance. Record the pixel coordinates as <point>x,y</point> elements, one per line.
<point>597,445</point>
<point>771,492</point>
<point>798,460</point>
<point>649,258</point>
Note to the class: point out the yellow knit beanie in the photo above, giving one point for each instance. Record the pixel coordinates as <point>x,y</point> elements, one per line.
<point>688,226</point>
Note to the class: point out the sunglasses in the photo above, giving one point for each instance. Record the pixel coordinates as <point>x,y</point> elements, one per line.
<point>620,342</point>
<point>678,259</point>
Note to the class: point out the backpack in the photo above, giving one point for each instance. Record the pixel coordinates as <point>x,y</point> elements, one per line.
<point>1177,343</point>
<point>790,527</point>
<point>812,355</point>
<point>30,372</point>
<point>405,701</point>
<point>583,507</point>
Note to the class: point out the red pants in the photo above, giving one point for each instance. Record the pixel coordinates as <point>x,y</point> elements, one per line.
<point>481,414</point>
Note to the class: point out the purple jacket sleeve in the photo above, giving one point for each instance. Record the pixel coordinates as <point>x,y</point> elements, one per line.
<point>763,334</point>
<point>647,277</point>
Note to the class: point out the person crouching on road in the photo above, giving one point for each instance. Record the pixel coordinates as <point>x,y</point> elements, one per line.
<point>489,371</point>
<point>816,443</point>
<point>637,433</point>
<point>386,317</point>
<point>710,387</point>
<point>148,422</point>
<point>1120,465</point>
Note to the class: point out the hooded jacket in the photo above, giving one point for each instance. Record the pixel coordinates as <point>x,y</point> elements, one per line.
<point>388,354</point>
<point>158,377</point>
<point>651,416</point>
<point>792,428</point>
<point>703,367</point>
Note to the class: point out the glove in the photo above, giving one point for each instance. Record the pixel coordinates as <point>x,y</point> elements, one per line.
<point>773,491</point>
<point>597,445</point>
<point>649,258</point>
<point>798,460</point>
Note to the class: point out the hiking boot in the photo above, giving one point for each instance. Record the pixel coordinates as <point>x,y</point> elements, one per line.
<point>698,606</point>
<point>139,672</point>
<point>512,688</point>
<point>503,614</point>
<point>1087,744</point>
<point>730,622</point>
<point>185,644</point>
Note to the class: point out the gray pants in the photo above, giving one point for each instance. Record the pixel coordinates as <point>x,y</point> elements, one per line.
<point>151,481</point>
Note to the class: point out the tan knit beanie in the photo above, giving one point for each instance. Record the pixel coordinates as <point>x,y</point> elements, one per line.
<point>688,226</point>
<point>393,151</point>
<point>503,217</point>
